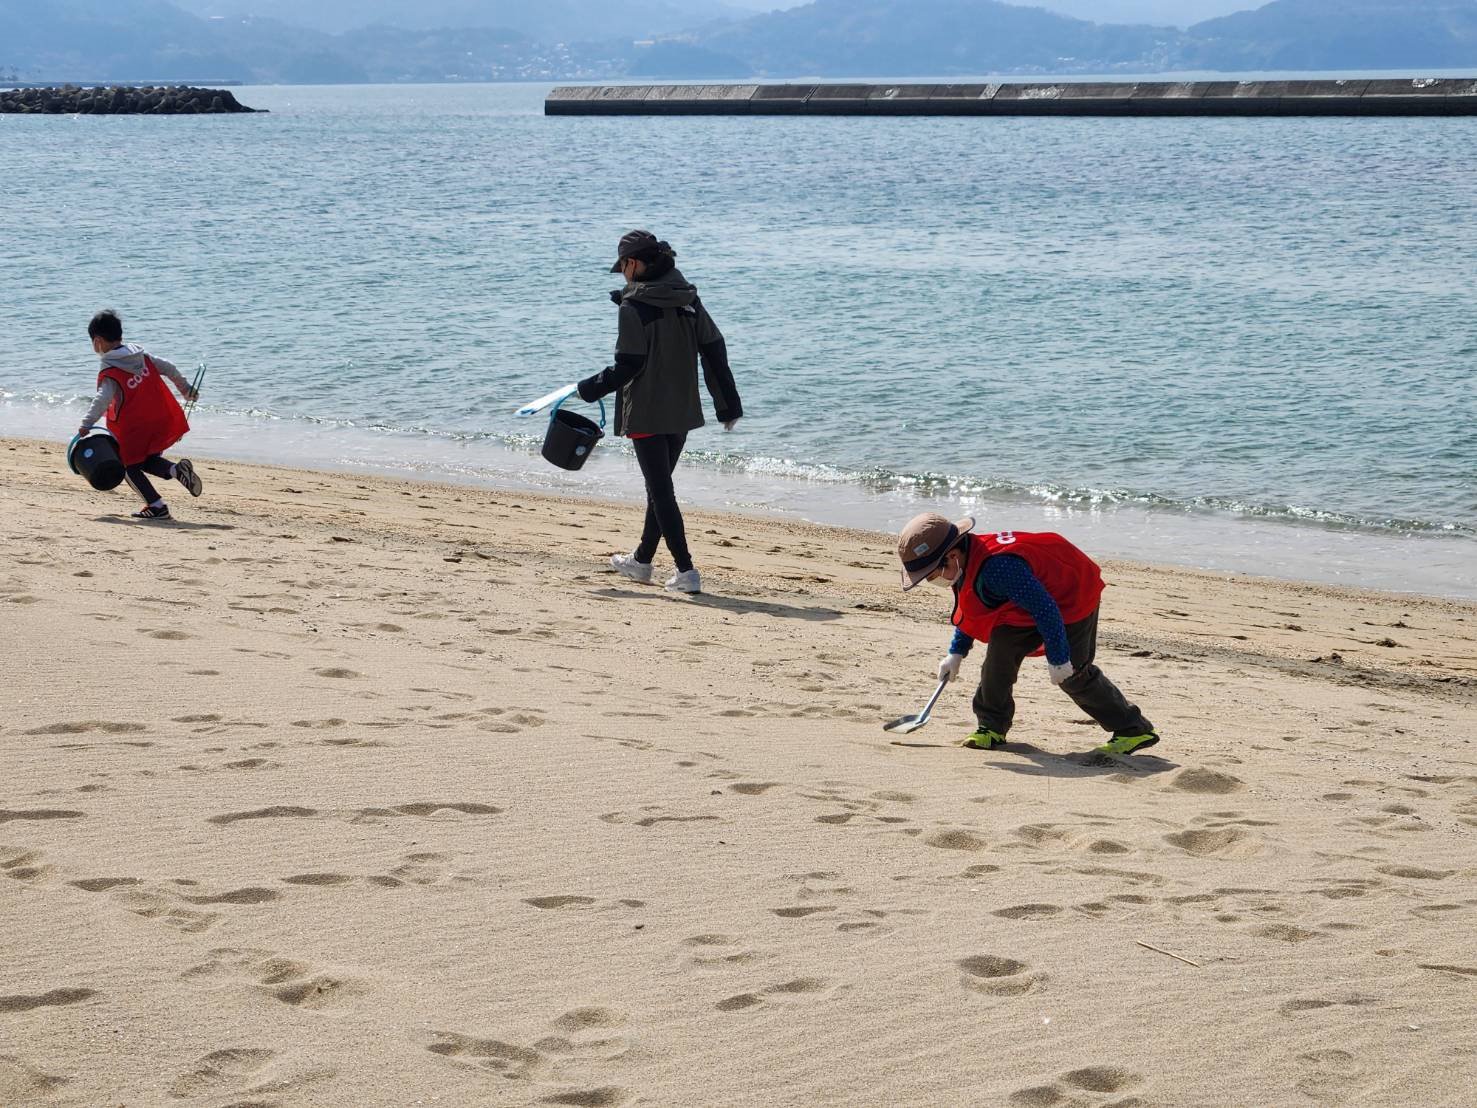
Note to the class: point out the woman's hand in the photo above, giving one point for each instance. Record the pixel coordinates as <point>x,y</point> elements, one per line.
<point>729,424</point>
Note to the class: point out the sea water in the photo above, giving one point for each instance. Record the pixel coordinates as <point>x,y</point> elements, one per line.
<point>1244,344</point>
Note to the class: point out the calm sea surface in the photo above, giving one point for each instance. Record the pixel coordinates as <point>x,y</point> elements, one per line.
<point>1247,344</point>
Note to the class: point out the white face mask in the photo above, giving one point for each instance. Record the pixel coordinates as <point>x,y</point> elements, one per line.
<point>944,580</point>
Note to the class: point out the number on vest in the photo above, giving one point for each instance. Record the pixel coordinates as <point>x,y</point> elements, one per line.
<point>1005,538</point>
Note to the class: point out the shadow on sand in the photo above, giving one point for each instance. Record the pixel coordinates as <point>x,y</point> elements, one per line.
<point>1043,763</point>
<point>726,604</point>
<point>171,524</point>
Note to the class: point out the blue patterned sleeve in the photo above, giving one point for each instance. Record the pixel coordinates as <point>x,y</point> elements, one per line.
<point>961,644</point>
<point>1010,576</point>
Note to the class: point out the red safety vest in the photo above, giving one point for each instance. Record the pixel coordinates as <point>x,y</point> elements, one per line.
<point>145,417</point>
<point>1070,576</point>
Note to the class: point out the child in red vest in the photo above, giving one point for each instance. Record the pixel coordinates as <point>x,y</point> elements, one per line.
<point>1025,594</point>
<point>142,414</point>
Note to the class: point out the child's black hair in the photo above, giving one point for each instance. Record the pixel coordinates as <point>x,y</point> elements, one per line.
<point>106,325</point>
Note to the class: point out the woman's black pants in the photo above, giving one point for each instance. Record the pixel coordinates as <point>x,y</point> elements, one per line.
<point>657,456</point>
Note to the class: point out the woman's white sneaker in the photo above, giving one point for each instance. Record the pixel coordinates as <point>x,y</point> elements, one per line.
<point>687,581</point>
<point>627,566</point>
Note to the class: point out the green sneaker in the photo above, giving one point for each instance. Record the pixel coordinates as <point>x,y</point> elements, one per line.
<point>1129,744</point>
<point>985,740</point>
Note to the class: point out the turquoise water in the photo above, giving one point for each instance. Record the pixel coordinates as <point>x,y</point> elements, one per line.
<point>1194,338</point>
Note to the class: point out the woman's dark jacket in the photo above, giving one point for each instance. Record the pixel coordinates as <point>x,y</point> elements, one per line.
<point>664,329</point>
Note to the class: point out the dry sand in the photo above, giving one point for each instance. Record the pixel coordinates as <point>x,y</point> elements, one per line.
<point>344,791</point>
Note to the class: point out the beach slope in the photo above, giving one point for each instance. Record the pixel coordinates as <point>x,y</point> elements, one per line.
<point>342,791</point>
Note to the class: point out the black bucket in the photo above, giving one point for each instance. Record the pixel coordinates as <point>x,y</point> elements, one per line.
<point>94,455</point>
<point>571,437</point>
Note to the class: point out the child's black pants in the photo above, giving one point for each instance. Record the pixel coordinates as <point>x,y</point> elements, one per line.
<point>138,476</point>
<point>1089,687</point>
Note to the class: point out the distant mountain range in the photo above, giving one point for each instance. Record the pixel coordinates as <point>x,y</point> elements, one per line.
<point>347,41</point>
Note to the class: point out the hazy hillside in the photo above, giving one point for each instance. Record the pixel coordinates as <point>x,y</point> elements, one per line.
<point>145,40</point>
<point>549,21</point>
<point>854,37</point>
<point>1340,34</point>
<point>1159,13</point>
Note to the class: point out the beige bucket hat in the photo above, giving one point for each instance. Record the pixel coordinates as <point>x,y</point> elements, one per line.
<point>924,542</point>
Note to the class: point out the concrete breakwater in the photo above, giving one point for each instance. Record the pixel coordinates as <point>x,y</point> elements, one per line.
<point>120,100</point>
<point>1412,96</point>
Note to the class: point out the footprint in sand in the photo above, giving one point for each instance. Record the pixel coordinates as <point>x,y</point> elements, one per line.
<point>1317,1004</point>
<point>289,982</point>
<point>21,1083</point>
<point>1330,1075</point>
<point>1029,911</point>
<point>1224,843</point>
<point>518,1063</point>
<point>20,864</point>
<point>550,903</point>
<point>165,906</point>
<point>801,986</point>
<point>439,807</point>
<point>997,976</point>
<point>1207,782</point>
<point>801,913</point>
<point>1286,933</point>
<point>1415,873</point>
<point>56,998</point>
<point>607,1096</point>
<point>648,821</point>
<point>716,952</point>
<point>277,811</point>
<point>220,1072</point>
<point>582,1034</point>
<point>592,1033</point>
<point>87,726</point>
<point>955,839</point>
<point>320,880</point>
<point>1088,1079</point>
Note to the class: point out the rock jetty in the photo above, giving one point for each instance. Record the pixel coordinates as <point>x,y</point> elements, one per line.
<point>120,100</point>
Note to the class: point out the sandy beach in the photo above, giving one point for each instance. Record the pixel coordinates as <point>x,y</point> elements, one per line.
<point>346,791</point>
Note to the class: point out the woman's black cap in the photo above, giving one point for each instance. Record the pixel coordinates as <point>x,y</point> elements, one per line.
<point>634,242</point>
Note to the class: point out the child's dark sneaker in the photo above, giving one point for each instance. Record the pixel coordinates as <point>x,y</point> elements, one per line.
<point>151,512</point>
<point>985,740</point>
<point>184,473</point>
<point>1128,744</point>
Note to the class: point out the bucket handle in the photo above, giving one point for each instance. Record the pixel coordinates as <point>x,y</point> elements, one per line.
<point>561,401</point>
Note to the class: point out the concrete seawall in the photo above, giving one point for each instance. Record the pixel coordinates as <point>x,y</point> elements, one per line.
<point>1416,96</point>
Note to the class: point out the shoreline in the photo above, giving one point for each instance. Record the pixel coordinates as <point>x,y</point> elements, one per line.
<point>876,588</point>
<point>1427,563</point>
<point>341,784</point>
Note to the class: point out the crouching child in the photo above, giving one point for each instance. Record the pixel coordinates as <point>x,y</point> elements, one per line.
<point>1024,594</point>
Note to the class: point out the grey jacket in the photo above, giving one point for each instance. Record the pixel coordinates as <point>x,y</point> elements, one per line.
<point>664,331</point>
<point>130,358</point>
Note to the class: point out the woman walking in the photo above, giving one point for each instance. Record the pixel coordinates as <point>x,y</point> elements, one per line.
<point>664,331</point>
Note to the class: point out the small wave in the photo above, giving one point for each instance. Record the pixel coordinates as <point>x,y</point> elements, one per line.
<point>927,483</point>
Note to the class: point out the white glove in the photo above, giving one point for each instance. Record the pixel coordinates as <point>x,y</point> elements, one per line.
<point>949,667</point>
<point>729,425</point>
<point>1060,673</point>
